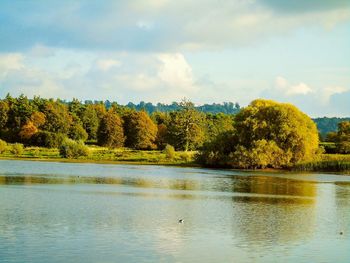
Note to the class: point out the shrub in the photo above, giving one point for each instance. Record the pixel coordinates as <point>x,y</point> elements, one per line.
<point>17,149</point>
<point>266,134</point>
<point>3,146</point>
<point>78,133</point>
<point>169,152</point>
<point>71,149</point>
<point>48,139</point>
<point>185,156</point>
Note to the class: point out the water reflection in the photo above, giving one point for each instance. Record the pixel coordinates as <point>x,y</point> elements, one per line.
<point>133,217</point>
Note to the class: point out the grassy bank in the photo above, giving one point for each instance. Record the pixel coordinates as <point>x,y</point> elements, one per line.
<point>327,163</point>
<point>105,155</point>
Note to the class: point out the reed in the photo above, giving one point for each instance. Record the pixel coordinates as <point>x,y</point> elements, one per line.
<point>327,163</point>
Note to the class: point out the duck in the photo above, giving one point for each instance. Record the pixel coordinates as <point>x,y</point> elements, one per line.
<point>181,221</point>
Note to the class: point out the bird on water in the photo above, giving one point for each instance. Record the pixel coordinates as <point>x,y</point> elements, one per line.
<point>181,221</point>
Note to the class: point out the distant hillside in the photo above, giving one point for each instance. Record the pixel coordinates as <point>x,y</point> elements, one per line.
<point>326,125</point>
<point>226,107</point>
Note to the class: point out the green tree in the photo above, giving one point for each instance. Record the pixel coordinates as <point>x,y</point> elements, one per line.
<point>77,132</point>
<point>343,137</point>
<point>58,118</point>
<point>72,149</point>
<point>110,132</point>
<point>140,131</point>
<point>90,121</point>
<point>186,127</point>
<point>4,109</point>
<point>266,133</point>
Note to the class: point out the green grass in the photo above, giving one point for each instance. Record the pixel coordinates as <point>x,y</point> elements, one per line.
<point>327,163</point>
<point>102,154</point>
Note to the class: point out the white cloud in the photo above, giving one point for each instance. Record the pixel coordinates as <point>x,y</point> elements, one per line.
<point>176,72</point>
<point>11,61</point>
<point>167,25</point>
<point>153,77</point>
<point>106,64</point>
<point>328,92</point>
<point>283,86</point>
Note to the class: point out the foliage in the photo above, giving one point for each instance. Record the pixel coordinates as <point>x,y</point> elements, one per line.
<point>162,134</point>
<point>58,119</point>
<point>266,134</point>
<point>4,109</point>
<point>17,149</point>
<point>3,146</point>
<point>186,127</point>
<point>27,131</point>
<point>326,125</point>
<point>169,151</point>
<point>140,131</point>
<point>226,107</point>
<point>90,120</point>
<point>72,149</point>
<point>47,139</point>
<point>110,132</point>
<point>77,132</point>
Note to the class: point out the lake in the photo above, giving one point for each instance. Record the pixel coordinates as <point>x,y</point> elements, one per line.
<point>71,212</point>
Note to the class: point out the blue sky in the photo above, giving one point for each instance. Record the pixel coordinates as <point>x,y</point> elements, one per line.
<point>162,50</point>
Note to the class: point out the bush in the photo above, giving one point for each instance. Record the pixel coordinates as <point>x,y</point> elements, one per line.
<point>185,156</point>
<point>169,152</point>
<point>3,146</point>
<point>17,149</point>
<point>266,134</point>
<point>48,139</point>
<point>71,149</point>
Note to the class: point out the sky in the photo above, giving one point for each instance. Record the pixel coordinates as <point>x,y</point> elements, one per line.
<point>162,51</point>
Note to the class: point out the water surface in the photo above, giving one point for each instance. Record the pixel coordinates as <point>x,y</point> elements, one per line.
<point>62,212</point>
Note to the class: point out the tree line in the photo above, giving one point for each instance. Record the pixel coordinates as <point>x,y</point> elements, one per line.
<point>263,134</point>
<point>48,122</point>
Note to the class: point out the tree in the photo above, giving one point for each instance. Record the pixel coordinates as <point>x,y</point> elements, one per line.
<point>162,134</point>
<point>58,119</point>
<point>38,119</point>
<point>266,134</point>
<point>217,123</point>
<point>343,137</point>
<point>140,131</point>
<point>110,132</point>
<point>185,128</point>
<point>90,121</point>
<point>71,149</point>
<point>27,131</point>
<point>4,109</point>
<point>77,132</point>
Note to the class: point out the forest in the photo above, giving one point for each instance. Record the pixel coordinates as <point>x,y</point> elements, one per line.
<point>263,134</point>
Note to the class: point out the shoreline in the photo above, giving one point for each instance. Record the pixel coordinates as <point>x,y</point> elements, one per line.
<point>169,164</point>
<point>66,160</point>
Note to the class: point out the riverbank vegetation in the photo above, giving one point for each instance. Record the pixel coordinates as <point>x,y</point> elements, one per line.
<point>265,134</point>
<point>103,155</point>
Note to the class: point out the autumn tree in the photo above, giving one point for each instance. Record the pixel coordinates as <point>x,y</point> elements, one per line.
<point>140,131</point>
<point>266,134</point>
<point>110,132</point>
<point>27,131</point>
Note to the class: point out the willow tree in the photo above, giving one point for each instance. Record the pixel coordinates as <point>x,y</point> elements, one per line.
<point>266,134</point>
